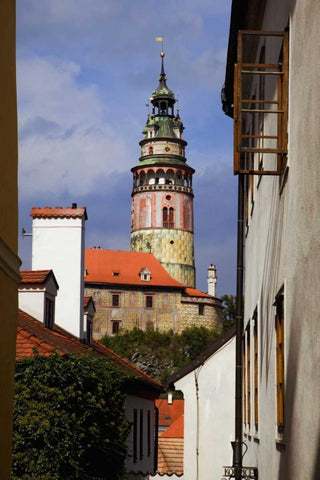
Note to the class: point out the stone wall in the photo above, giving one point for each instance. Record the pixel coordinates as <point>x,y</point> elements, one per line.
<point>170,310</point>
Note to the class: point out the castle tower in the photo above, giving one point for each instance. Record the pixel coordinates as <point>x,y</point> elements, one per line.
<point>162,196</point>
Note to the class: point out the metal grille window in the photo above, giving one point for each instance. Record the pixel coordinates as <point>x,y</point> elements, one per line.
<point>261,103</point>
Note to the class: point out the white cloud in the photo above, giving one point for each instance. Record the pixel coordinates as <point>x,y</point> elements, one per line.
<point>65,144</point>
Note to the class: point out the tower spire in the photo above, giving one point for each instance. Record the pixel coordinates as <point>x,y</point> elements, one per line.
<point>162,195</point>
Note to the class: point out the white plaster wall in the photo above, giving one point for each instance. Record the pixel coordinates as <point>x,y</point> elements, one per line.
<point>216,415</point>
<point>58,244</point>
<point>31,301</point>
<point>283,248</point>
<point>146,464</point>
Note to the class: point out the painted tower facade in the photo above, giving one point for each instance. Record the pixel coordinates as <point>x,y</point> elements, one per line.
<point>162,196</point>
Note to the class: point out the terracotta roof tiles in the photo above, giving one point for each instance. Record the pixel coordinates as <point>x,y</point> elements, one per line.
<point>123,267</point>
<point>169,412</point>
<point>170,456</point>
<point>34,276</point>
<point>59,212</point>
<point>193,292</point>
<point>176,429</point>
<point>33,334</point>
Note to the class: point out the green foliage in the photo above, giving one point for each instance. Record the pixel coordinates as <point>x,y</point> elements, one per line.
<point>161,353</point>
<point>229,313</point>
<point>69,419</point>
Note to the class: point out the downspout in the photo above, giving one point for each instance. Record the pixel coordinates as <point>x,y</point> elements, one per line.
<point>237,444</point>
<point>156,435</point>
<point>196,376</point>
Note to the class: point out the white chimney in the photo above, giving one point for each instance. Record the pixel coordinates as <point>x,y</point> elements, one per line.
<point>212,280</point>
<point>58,236</point>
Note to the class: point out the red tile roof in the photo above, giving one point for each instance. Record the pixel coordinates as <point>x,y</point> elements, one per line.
<point>34,276</point>
<point>169,412</point>
<point>32,333</point>
<point>192,292</point>
<point>123,267</point>
<point>176,429</point>
<point>59,212</point>
<point>170,456</point>
<point>87,300</point>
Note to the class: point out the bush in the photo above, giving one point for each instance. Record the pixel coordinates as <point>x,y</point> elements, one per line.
<point>69,419</point>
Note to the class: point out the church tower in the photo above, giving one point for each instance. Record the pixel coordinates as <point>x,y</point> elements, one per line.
<point>162,196</point>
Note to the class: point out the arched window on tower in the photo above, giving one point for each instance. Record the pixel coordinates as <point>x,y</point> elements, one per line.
<point>150,150</point>
<point>165,217</point>
<point>163,108</point>
<point>171,217</point>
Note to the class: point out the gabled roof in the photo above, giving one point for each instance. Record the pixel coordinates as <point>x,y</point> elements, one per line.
<point>170,449</point>
<point>33,334</point>
<point>201,359</point>
<point>59,212</point>
<point>169,412</point>
<point>36,277</point>
<point>176,429</point>
<point>86,302</point>
<point>124,267</point>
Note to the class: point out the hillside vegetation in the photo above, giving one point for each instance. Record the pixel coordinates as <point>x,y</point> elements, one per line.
<point>161,353</point>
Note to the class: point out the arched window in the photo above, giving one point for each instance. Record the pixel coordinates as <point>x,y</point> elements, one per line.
<point>171,217</point>
<point>165,217</point>
<point>150,150</point>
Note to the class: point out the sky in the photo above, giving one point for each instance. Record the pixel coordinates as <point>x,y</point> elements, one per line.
<point>85,72</point>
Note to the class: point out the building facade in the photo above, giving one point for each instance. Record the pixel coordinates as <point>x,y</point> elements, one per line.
<point>9,261</point>
<point>132,289</point>
<point>58,236</point>
<point>207,384</point>
<point>162,195</point>
<point>275,106</point>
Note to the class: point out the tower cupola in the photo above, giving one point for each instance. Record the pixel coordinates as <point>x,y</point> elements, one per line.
<point>162,98</point>
<point>162,195</point>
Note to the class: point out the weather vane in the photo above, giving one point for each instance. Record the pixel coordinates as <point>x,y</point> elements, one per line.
<point>160,39</point>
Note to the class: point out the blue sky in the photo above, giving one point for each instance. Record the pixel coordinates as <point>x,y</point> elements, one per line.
<point>85,71</point>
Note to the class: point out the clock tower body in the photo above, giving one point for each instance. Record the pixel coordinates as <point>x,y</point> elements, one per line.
<point>162,195</point>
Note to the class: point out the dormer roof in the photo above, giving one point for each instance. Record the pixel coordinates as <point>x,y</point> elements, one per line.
<point>36,277</point>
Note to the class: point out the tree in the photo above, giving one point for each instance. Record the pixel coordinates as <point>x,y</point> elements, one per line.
<point>69,419</point>
<point>229,313</point>
<point>161,353</point>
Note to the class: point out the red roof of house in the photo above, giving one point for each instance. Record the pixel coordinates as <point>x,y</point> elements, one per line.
<point>170,456</point>
<point>34,276</point>
<point>176,429</point>
<point>123,267</point>
<point>193,292</point>
<point>86,300</point>
<point>169,412</point>
<point>33,334</point>
<point>170,448</point>
<point>59,212</point>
